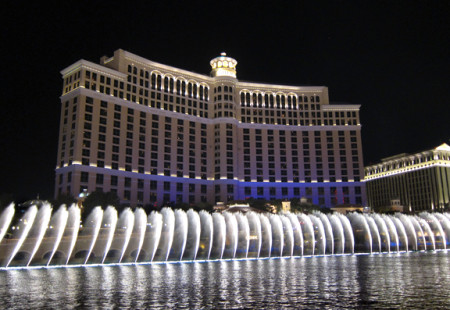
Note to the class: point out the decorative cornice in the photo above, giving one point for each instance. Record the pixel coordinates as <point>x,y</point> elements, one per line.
<point>184,73</point>
<point>261,87</point>
<point>93,67</point>
<point>341,107</point>
<point>407,169</point>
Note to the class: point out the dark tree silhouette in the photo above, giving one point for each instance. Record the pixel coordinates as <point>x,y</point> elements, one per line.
<point>63,199</point>
<point>99,198</point>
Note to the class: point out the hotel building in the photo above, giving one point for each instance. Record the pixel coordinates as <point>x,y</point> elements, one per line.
<point>420,181</point>
<point>153,133</point>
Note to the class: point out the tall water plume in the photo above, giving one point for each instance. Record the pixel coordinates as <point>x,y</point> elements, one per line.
<point>193,235</point>
<point>70,234</point>
<point>53,236</point>
<point>179,236</point>
<point>319,235</point>
<point>255,237</point>
<point>288,237</point>
<point>206,235</point>
<point>243,236</point>
<point>392,233</point>
<point>152,237</point>
<point>409,230</point>
<point>384,233</point>
<point>231,235</point>
<point>435,226</point>
<point>402,236</point>
<point>445,224</point>
<point>122,234</point>
<point>266,236</point>
<point>361,232</point>
<point>133,250</point>
<point>38,230</point>
<point>277,235</point>
<point>309,240</point>
<point>376,240</point>
<point>5,220</point>
<point>19,233</point>
<point>338,234</point>
<point>167,232</point>
<point>421,242</point>
<point>219,237</point>
<point>348,234</point>
<point>329,237</point>
<point>427,233</point>
<point>297,234</point>
<point>104,236</point>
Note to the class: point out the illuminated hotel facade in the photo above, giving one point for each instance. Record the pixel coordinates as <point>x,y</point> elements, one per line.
<point>421,181</point>
<point>153,134</point>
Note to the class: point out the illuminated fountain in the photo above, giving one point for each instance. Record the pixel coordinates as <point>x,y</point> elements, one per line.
<point>41,237</point>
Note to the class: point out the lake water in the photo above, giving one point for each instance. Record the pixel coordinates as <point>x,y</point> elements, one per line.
<point>419,280</point>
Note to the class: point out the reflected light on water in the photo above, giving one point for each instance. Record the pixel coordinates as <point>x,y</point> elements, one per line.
<point>409,280</point>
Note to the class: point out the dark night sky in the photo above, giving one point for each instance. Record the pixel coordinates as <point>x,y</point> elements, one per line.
<point>391,57</point>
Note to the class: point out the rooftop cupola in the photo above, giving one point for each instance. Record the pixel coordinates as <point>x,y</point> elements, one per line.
<point>223,66</point>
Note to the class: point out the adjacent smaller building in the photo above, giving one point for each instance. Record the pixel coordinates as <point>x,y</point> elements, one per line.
<point>421,181</point>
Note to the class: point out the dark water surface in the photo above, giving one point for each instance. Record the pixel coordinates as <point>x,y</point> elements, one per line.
<point>385,281</point>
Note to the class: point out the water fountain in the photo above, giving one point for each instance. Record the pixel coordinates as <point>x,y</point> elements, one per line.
<point>297,234</point>
<point>133,250</point>
<point>385,239</point>
<point>362,235</point>
<point>180,231</point>
<point>376,241</point>
<point>277,235</point>
<point>219,229</point>
<point>122,236</point>
<point>152,236</point>
<point>18,234</point>
<point>193,235</point>
<point>329,236</point>
<point>52,236</point>
<point>5,220</point>
<point>288,236</point>
<point>243,236</point>
<point>266,236</point>
<point>255,237</point>
<point>409,231</point>
<point>102,242</point>
<point>308,234</point>
<point>166,237</point>
<point>44,237</point>
<point>338,234</point>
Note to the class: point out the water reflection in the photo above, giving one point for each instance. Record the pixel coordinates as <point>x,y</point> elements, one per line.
<point>410,280</point>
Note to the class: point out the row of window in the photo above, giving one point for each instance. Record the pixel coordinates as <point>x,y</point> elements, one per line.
<point>132,146</point>
<point>417,196</point>
<point>141,145</point>
<point>324,115</point>
<point>194,107</point>
<point>168,83</point>
<point>276,101</point>
<point>167,189</point>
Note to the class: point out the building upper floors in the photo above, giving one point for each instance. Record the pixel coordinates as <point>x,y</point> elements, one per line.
<point>132,78</point>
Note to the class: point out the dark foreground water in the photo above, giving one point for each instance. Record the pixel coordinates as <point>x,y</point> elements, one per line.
<point>385,281</point>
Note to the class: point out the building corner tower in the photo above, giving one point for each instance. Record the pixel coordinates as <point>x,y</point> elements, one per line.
<point>223,72</point>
